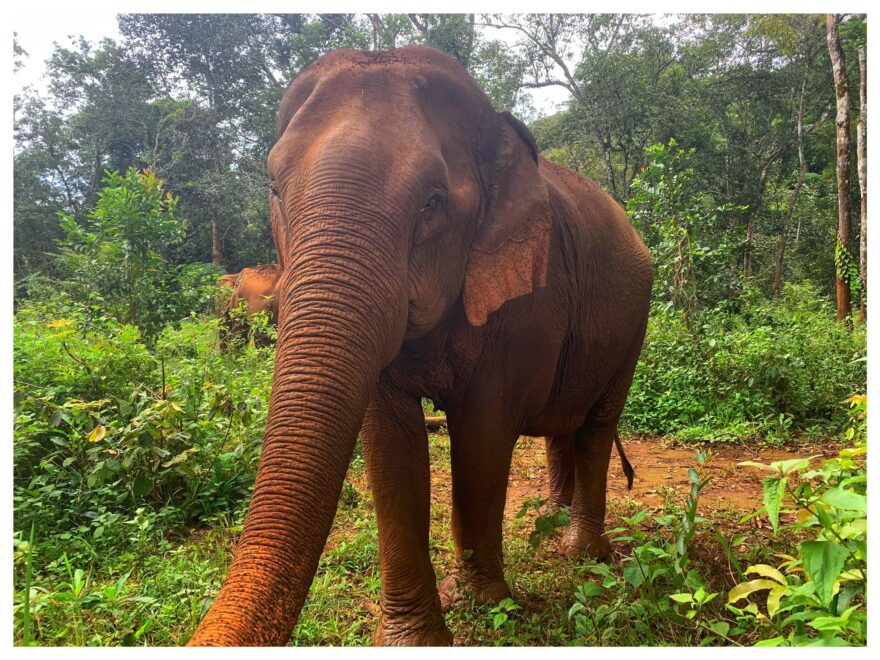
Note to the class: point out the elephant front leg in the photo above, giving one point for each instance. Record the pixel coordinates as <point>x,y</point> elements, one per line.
<point>396,451</point>
<point>481,455</point>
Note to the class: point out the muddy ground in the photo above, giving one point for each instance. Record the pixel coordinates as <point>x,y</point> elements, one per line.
<point>661,473</point>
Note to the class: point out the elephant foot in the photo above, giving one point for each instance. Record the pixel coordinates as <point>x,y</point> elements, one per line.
<point>398,632</point>
<point>581,543</point>
<point>456,589</point>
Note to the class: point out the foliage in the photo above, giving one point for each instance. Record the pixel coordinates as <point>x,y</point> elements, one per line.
<point>118,256</point>
<point>118,442</point>
<point>817,595</point>
<point>657,576</point>
<point>548,518</point>
<point>847,268</point>
<point>767,369</point>
<point>681,229</point>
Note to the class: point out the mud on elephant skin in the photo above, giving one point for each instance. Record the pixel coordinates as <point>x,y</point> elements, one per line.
<point>252,291</point>
<point>429,251</point>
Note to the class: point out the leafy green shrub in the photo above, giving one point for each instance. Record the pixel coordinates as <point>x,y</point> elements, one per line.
<point>638,604</point>
<point>117,257</point>
<point>679,222</point>
<point>548,518</point>
<point>116,442</point>
<point>817,596</point>
<point>773,368</point>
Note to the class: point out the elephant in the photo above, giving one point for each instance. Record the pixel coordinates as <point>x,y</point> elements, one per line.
<point>252,291</point>
<point>431,252</point>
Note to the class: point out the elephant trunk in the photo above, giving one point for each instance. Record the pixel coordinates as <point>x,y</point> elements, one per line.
<point>342,319</point>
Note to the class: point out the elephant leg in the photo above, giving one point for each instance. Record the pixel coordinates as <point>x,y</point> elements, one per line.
<point>396,451</point>
<point>481,455</point>
<point>560,465</point>
<point>592,452</point>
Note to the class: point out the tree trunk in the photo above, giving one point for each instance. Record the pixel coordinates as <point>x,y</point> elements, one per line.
<point>216,250</point>
<point>754,210</point>
<point>838,68</point>
<point>795,194</point>
<point>609,170</point>
<point>862,155</point>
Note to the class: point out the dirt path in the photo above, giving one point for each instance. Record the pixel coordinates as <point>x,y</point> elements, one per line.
<point>661,474</point>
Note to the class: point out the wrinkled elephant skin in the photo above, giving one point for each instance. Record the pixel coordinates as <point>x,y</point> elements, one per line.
<point>429,251</point>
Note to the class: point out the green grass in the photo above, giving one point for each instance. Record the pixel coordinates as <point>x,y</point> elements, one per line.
<point>168,589</point>
<point>136,499</point>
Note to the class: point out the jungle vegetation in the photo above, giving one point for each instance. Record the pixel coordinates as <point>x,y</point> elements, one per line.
<point>733,141</point>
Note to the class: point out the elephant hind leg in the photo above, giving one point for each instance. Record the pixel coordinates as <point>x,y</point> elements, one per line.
<point>561,468</point>
<point>592,452</point>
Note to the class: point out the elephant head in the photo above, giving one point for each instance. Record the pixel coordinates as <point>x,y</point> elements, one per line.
<point>400,200</point>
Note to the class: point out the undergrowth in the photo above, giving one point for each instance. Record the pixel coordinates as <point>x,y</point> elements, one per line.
<point>134,461</point>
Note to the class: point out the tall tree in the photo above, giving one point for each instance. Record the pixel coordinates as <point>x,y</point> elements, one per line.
<point>799,36</point>
<point>621,71</point>
<point>862,155</point>
<point>227,60</point>
<point>841,92</point>
<point>795,195</point>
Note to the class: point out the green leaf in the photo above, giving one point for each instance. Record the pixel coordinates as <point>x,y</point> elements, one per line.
<point>682,598</point>
<point>633,574</point>
<point>773,641</point>
<point>828,641</point>
<point>840,498</point>
<point>793,464</point>
<point>823,561</point>
<point>720,627</point>
<point>638,517</point>
<point>774,490</point>
<point>499,619</point>
<point>591,589</point>
<point>142,485</point>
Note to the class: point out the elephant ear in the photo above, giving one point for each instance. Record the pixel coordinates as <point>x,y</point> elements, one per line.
<point>279,228</point>
<point>509,256</point>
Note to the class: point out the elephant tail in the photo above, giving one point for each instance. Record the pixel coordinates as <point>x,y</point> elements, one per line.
<point>624,462</point>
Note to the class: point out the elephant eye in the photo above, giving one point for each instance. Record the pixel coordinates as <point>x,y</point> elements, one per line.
<point>435,203</point>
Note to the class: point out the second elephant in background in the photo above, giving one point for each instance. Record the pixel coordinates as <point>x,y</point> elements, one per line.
<point>253,291</point>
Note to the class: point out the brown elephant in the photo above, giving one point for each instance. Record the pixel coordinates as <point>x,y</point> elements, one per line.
<point>431,253</point>
<point>253,291</point>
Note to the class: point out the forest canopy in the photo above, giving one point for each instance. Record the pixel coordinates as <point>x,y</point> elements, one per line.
<point>193,98</point>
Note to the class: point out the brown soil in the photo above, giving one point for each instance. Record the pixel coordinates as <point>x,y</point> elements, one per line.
<point>661,475</point>
<point>662,472</point>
